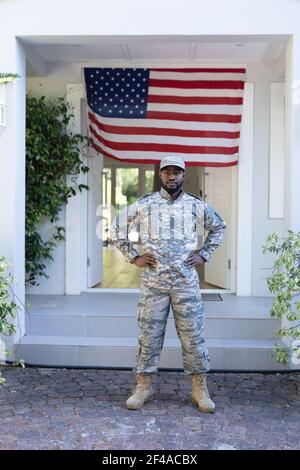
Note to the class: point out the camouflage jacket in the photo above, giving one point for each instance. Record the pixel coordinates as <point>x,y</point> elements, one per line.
<point>171,230</point>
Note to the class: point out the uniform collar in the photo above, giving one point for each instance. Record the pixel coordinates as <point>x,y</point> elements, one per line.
<point>166,195</point>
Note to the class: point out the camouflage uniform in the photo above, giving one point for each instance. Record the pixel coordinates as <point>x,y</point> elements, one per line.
<point>171,230</point>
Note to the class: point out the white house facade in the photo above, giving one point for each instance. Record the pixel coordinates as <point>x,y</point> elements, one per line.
<point>48,45</point>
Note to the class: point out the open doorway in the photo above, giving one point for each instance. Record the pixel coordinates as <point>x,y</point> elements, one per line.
<point>123,183</point>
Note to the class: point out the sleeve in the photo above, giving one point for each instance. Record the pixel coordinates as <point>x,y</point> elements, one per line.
<point>215,226</point>
<point>119,231</point>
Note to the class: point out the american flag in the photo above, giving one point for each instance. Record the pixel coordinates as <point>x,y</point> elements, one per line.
<point>142,115</point>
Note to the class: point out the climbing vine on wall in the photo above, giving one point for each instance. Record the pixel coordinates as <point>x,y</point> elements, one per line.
<point>52,154</point>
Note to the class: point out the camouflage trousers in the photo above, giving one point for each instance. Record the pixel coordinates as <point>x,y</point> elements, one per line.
<point>153,310</point>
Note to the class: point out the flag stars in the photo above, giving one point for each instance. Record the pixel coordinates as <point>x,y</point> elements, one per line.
<point>123,92</point>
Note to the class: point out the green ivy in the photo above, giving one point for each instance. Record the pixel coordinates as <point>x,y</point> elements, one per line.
<point>285,284</point>
<point>52,153</point>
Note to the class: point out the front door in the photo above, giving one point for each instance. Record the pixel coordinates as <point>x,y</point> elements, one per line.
<point>218,188</point>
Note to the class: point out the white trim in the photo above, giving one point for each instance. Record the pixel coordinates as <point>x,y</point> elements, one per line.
<point>76,209</point>
<point>234,228</point>
<point>159,63</point>
<point>245,197</point>
<point>276,152</point>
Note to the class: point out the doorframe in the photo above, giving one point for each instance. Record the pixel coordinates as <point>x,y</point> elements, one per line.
<point>241,240</point>
<point>76,209</point>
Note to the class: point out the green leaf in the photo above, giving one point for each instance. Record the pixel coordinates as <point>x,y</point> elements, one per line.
<point>51,155</point>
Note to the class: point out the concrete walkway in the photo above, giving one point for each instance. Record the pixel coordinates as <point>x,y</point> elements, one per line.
<point>84,409</point>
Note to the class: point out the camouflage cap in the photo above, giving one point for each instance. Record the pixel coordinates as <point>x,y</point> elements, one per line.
<point>174,161</point>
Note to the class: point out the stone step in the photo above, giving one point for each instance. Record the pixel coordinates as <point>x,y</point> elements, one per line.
<point>91,325</point>
<point>82,351</point>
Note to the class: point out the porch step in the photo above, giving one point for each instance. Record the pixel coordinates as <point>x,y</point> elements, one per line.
<point>106,315</point>
<point>100,329</point>
<point>126,325</point>
<point>225,354</point>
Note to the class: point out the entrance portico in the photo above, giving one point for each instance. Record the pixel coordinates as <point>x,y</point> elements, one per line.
<point>18,44</point>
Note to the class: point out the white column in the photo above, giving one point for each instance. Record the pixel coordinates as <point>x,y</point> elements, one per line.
<point>12,172</point>
<point>292,144</point>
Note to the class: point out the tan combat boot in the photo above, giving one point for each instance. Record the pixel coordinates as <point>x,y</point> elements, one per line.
<point>142,392</point>
<point>200,395</point>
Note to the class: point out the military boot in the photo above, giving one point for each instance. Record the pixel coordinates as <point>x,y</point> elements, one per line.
<point>200,395</point>
<point>142,392</point>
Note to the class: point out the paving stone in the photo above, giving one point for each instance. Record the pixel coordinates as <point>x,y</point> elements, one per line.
<point>85,409</point>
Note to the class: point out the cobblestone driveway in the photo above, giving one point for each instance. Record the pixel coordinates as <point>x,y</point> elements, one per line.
<point>84,409</point>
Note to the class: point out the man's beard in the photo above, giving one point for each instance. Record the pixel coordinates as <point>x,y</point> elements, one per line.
<point>172,189</point>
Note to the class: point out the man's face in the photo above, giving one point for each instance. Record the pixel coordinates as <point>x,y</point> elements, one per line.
<point>171,178</point>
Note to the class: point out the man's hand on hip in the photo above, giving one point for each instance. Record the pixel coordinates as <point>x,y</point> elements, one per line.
<point>147,260</point>
<point>194,259</point>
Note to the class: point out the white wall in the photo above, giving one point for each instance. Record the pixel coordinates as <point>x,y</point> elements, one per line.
<point>261,74</point>
<point>134,17</point>
<point>262,225</point>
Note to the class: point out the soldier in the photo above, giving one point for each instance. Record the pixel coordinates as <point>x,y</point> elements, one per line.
<point>169,223</point>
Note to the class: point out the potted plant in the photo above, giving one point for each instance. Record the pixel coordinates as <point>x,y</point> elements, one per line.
<point>284,283</point>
